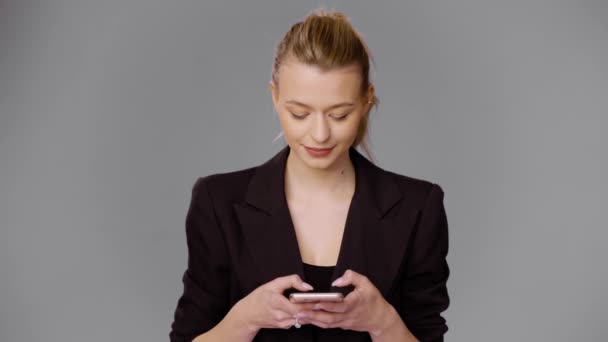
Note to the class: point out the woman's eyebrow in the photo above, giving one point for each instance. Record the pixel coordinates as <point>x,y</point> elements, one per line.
<point>337,105</point>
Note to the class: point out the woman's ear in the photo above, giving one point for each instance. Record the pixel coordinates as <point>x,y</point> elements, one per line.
<point>369,98</point>
<point>371,91</point>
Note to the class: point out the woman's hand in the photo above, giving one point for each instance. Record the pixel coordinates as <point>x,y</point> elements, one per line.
<point>267,307</point>
<point>364,309</point>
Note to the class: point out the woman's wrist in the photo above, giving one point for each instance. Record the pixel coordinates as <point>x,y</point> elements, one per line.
<point>237,325</point>
<point>240,320</point>
<point>391,328</point>
<point>233,327</point>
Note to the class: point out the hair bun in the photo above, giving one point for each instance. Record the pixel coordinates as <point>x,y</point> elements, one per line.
<point>322,12</point>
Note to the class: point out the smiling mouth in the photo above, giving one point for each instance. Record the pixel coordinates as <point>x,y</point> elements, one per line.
<point>319,149</point>
<point>318,153</point>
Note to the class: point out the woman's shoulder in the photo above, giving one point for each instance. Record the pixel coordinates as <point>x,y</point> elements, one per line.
<point>417,190</point>
<point>229,184</point>
<point>414,190</point>
<point>411,183</point>
<point>238,180</point>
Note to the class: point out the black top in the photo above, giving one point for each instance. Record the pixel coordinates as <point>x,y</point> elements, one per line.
<point>320,278</point>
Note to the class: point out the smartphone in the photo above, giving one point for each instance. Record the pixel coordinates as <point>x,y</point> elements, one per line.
<point>308,297</point>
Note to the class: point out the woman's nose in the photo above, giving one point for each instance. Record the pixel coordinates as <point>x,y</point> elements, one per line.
<point>320,131</point>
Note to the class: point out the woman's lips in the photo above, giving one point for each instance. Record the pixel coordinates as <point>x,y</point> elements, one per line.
<point>318,152</point>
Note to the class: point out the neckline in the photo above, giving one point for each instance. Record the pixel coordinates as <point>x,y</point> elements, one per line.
<point>348,225</point>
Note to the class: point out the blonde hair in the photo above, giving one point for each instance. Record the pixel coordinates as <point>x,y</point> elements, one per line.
<point>328,40</point>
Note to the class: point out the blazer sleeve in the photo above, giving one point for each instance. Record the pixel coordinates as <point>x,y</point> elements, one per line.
<point>424,293</point>
<point>204,301</point>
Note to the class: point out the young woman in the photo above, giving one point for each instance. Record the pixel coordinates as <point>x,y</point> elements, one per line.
<point>316,217</point>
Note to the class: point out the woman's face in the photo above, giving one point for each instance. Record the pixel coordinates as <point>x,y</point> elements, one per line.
<point>319,109</point>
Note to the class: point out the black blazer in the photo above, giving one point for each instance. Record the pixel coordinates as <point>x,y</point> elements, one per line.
<point>240,236</point>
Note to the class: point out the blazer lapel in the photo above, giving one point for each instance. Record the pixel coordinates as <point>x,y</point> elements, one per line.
<point>267,227</point>
<point>374,239</point>
<point>377,229</point>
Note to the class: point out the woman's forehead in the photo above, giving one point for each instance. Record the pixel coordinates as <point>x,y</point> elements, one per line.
<point>300,77</point>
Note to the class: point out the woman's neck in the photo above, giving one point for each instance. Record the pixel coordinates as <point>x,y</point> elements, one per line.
<point>337,181</point>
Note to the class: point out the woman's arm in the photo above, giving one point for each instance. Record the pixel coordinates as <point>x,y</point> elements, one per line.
<point>424,294</point>
<point>204,302</point>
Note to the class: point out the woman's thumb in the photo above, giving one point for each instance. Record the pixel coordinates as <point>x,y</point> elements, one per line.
<point>293,281</point>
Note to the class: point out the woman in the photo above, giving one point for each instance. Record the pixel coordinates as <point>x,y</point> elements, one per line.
<point>318,216</point>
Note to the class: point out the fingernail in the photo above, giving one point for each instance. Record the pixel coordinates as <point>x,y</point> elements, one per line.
<point>307,286</point>
<point>337,282</point>
<point>317,307</point>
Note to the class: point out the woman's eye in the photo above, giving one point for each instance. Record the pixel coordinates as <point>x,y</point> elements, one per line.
<point>302,116</point>
<point>298,116</point>
<point>341,117</point>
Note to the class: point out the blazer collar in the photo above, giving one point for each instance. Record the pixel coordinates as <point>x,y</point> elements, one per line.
<point>373,185</point>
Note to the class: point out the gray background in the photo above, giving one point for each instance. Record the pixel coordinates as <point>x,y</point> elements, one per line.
<point>111,109</point>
